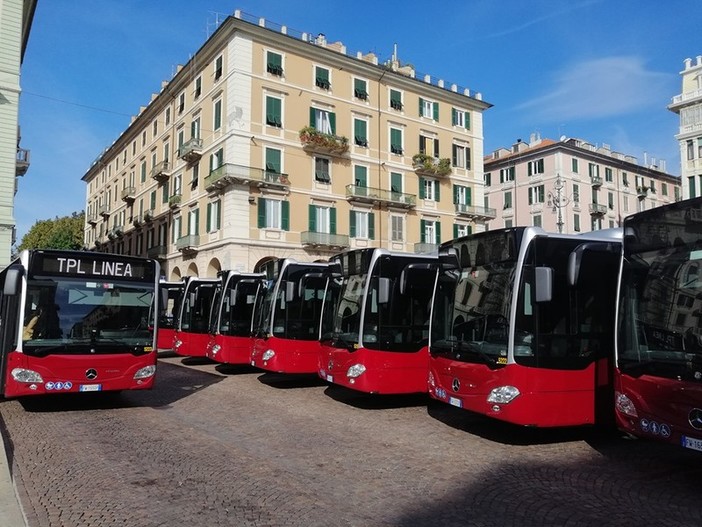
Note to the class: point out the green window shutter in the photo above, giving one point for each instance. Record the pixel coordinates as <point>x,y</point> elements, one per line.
<point>285,213</point>
<point>454,116</point>
<point>469,198</point>
<point>332,122</point>
<point>421,106</point>
<point>455,194</point>
<point>454,155</point>
<point>437,230</point>
<point>208,223</point>
<point>467,120</point>
<point>153,202</point>
<point>193,129</point>
<point>197,221</point>
<point>422,192</point>
<point>436,148</point>
<point>273,163</point>
<point>261,213</point>
<point>436,111</point>
<point>313,218</point>
<point>359,130</point>
<point>164,197</point>
<point>143,172</point>
<point>455,231</point>
<point>422,233</point>
<point>437,191</point>
<point>371,225</point>
<point>313,113</point>
<point>352,224</point>
<point>332,220</point>
<point>395,182</point>
<point>360,176</point>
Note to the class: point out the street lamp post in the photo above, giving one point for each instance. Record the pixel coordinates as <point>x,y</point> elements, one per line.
<point>558,200</point>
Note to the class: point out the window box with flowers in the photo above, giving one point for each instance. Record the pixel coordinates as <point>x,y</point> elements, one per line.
<point>315,141</point>
<point>430,165</point>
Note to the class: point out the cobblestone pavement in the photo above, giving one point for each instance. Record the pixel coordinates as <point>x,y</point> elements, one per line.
<point>215,445</point>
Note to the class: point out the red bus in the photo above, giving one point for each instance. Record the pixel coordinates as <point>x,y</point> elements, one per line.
<point>171,293</point>
<point>658,376</point>
<point>77,322</point>
<point>233,309</point>
<point>375,329</point>
<point>523,326</point>
<point>287,326</point>
<point>192,330</point>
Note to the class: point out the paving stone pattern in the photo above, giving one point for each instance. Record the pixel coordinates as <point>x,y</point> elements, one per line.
<point>212,445</point>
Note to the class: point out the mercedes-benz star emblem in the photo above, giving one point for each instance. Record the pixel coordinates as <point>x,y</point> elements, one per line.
<point>695,418</point>
<point>331,365</point>
<point>456,384</point>
<point>91,374</point>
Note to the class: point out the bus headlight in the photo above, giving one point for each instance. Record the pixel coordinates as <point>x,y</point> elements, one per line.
<point>625,405</point>
<point>355,371</point>
<point>24,375</point>
<point>145,372</point>
<point>215,349</point>
<point>268,354</point>
<point>503,394</point>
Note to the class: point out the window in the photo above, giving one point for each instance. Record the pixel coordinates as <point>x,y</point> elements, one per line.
<point>429,189</point>
<point>610,200</point>
<point>274,63</point>
<point>143,171</point>
<point>273,214</point>
<point>536,195</point>
<point>360,132</point>
<point>323,121</point>
<point>461,195</point>
<point>535,167</point>
<point>396,99</point>
<point>487,179</point>
<point>625,179</point>
<point>166,152</point>
<point>360,173</point>
<point>181,103</point>
<point>461,156</point>
<point>360,89</point>
<point>507,174</point>
<point>274,112</point>
<point>396,183</point>
<point>537,220</point>
<point>576,193</point>
<point>195,128</point>
<point>574,165</point>
<point>196,176</point>
<point>322,219</point>
<point>396,141</point>
<point>690,150</point>
<point>460,118</point>
<point>154,130</point>
<point>321,169</point>
<point>460,230</point>
<point>361,224</point>
<point>273,160</point>
<point>576,222</point>
<point>509,224</point>
<point>167,119</point>
<point>397,228</point>
<point>175,234</point>
<point>653,186</point>
<point>593,170</point>
<point>218,68</point>
<point>152,201</point>
<point>217,111</point>
<point>214,216</point>
<point>194,222</point>
<point>664,189</point>
<point>429,231</point>
<point>177,185</point>
<point>321,78</point>
<point>508,200</point>
<point>216,159</point>
<point>428,109</point>
<point>198,88</point>
<point>608,175</point>
<point>143,144</point>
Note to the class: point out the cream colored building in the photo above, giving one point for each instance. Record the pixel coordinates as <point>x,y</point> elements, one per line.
<point>688,105</point>
<point>571,186</point>
<point>269,143</point>
<point>15,23</point>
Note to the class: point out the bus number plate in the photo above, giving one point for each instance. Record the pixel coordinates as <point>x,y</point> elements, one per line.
<point>453,401</point>
<point>691,442</point>
<point>90,387</point>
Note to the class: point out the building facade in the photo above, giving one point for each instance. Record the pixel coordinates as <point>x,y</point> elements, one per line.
<point>15,22</point>
<point>268,143</point>
<point>571,186</point>
<point>688,105</point>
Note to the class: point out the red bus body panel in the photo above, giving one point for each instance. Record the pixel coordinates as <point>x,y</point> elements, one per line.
<point>191,344</point>
<point>165,339</point>
<point>291,355</point>
<point>548,398</point>
<point>114,372</point>
<point>232,349</point>
<point>386,372</point>
<point>664,409</point>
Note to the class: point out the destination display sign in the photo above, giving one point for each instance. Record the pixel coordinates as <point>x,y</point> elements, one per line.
<point>91,265</point>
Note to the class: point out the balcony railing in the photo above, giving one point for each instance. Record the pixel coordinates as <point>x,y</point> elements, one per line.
<point>229,174</point>
<point>476,213</point>
<point>138,220</point>
<point>427,165</point>
<point>596,181</point>
<point>191,150</point>
<point>174,201</point>
<point>426,248</point>
<point>116,232</point>
<point>642,192</point>
<point>104,210</point>
<point>92,218</point>
<point>378,195</point>
<point>128,194</point>
<point>315,141</point>
<point>161,171</point>
<point>188,243</point>
<point>324,239</point>
<point>22,164</point>
<point>157,252</point>
<point>598,210</point>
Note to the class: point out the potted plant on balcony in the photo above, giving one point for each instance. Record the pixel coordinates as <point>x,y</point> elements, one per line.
<point>310,136</point>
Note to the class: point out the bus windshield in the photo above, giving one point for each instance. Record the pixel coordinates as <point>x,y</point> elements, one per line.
<point>238,308</point>
<point>661,297</point>
<point>72,315</point>
<point>298,303</point>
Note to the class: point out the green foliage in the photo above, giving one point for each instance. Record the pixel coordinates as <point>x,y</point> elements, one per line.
<point>59,233</point>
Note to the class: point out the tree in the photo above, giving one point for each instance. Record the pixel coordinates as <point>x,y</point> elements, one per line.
<point>60,233</point>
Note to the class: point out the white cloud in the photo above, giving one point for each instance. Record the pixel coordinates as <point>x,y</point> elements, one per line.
<point>599,88</point>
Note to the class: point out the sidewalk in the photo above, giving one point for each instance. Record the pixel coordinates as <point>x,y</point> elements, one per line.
<point>11,514</point>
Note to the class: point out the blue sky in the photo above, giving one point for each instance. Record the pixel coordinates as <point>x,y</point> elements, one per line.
<point>599,70</point>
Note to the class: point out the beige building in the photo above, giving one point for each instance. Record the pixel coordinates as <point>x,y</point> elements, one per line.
<point>571,186</point>
<point>15,23</point>
<point>688,105</point>
<point>270,143</point>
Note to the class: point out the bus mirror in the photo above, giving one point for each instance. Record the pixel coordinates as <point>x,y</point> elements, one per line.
<point>232,298</point>
<point>289,291</point>
<point>448,259</point>
<point>543,284</point>
<point>163,299</point>
<point>383,290</point>
<point>306,278</point>
<point>575,258</point>
<point>191,298</point>
<point>12,281</point>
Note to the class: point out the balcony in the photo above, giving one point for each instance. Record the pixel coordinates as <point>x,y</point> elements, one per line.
<point>116,232</point>
<point>426,248</point>
<point>191,150</point>
<point>229,174</point>
<point>148,215</point>
<point>598,210</point>
<point>476,213</point>
<point>161,171</point>
<point>324,239</point>
<point>137,220</point>
<point>426,165</point>
<point>316,142</point>
<point>157,252</point>
<point>174,201</point>
<point>92,218</point>
<point>596,181</point>
<point>188,243</point>
<point>128,194</point>
<point>377,195</point>
<point>22,163</point>
<point>104,211</point>
<point>641,192</point>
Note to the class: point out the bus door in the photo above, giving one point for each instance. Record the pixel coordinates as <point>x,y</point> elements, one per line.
<point>10,297</point>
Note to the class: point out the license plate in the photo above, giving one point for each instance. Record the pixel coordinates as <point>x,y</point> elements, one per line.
<point>330,378</point>
<point>453,401</point>
<point>692,442</point>
<point>90,387</point>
